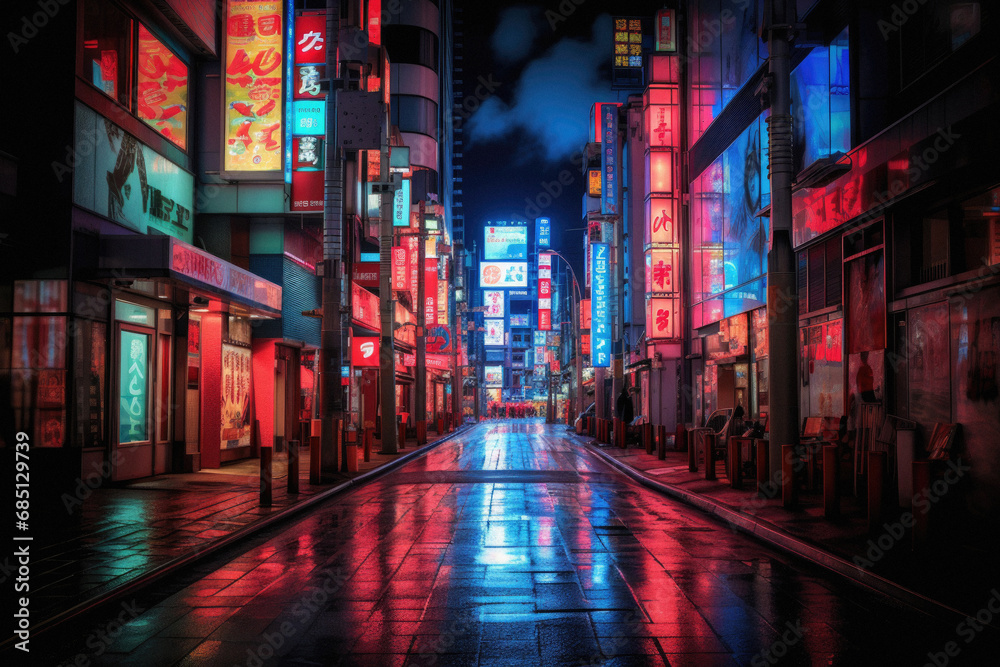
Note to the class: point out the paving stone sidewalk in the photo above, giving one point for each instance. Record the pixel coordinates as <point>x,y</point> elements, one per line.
<point>93,542</point>
<point>954,570</point>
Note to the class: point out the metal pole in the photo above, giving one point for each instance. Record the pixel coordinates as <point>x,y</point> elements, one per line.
<point>782,299</point>
<point>387,359</point>
<point>420,409</point>
<point>331,393</point>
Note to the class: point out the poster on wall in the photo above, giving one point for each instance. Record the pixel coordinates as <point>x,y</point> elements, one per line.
<point>494,303</point>
<point>253,98</point>
<point>494,332</point>
<point>236,370</point>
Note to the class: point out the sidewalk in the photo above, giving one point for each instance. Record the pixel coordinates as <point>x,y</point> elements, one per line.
<point>112,540</point>
<point>946,579</point>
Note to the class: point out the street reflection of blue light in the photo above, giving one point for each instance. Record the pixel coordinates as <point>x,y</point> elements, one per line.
<point>502,556</point>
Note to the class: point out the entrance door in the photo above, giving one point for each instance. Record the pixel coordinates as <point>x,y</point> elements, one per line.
<point>133,441</point>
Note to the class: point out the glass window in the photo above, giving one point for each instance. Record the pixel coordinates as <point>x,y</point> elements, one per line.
<point>162,88</point>
<point>413,113</point>
<point>106,55</point>
<point>89,379</point>
<point>134,314</point>
<point>932,33</point>
<point>821,105</point>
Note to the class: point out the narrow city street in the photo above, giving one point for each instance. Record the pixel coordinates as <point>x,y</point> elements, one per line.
<point>512,545</point>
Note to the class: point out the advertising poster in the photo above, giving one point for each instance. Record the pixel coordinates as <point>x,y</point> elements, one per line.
<point>544,232</point>
<point>501,275</point>
<point>494,303</point>
<point>253,87</point>
<point>128,181</point>
<point>494,376</point>
<point>401,205</point>
<point>163,87</point>
<point>365,307</point>
<point>236,369</point>
<point>438,339</point>
<point>494,332</point>
<point>599,295</point>
<point>506,243</point>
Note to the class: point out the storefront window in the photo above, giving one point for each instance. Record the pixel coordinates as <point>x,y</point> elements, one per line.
<point>822,370</point>
<point>89,377</point>
<point>821,103</point>
<point>162,90</point>
<point>133,387</point>
<point>107,50</point>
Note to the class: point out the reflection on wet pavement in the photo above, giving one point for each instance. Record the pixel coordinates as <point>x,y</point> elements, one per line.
<point>511,545</point>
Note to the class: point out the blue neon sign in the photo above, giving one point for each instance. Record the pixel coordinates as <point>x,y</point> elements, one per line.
<point>600,353</point>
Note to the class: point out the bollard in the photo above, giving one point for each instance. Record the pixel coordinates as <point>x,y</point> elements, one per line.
<point>421,432</point>
<point>693,452</point>
<point>402,435</point>
<point>314,469</point>
<point>763,468</point>
<point>876,472</point>
<point>680,438</point>
<point>369,437</point>
<point>304,431</point>
<point>831,497</point>
<point>351,449</point>
<point>293,466</point>
<point>622,434</point>
<point>921,488</point>
<point>440,426</point>
<point>661,445</point>
<point>735,463</point>
<point>647,437</point>
<point>266,479</point>
<point>710,457</point>
<point>789,488</point>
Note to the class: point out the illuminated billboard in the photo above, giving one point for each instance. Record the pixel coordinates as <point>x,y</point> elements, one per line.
<point>502,275</point>
<point>253,97</point>
<point>494,332</point>
<point>544,231</point>
<point>506,243</point>
<point>494,376</point>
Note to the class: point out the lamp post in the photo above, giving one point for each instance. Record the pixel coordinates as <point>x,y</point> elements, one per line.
<point>576,333</point>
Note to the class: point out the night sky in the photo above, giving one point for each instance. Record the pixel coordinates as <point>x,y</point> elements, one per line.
<point>543,69</point>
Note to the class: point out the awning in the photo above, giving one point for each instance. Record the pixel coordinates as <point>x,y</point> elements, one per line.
<point>150,257</point>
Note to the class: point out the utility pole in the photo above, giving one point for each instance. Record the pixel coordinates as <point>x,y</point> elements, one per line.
<point>782,299</point>
<point>420,410</point>
<point>387,359</point>
<point>331,392</point>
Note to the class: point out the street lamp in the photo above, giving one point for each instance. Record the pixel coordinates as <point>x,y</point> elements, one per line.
<point>576,333</point>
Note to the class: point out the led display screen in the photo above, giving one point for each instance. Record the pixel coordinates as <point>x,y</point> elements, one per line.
<point>506,243</point>
<point>500,275</point>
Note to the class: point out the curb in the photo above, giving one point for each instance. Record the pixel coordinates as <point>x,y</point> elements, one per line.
<point>171,566</point>
<point>788,543</point>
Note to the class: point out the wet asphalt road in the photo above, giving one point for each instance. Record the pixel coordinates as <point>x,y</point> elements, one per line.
<point>511,545</point>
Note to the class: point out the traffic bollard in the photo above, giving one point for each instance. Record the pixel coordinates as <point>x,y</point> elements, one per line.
<point>710,457</point>
<point>763,469</point>
<point>647,437</point>
<point>831,499</point>
<point>266,479</point>
<point>314,463</point>
<point>293,466</point>
<point>876,472</point>
<point>789,487</point>
<point>693,453</point>
<point>369,437</point>
<point>661,444</point>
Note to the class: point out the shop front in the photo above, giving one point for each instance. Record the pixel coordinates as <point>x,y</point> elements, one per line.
<point>188,381</point>
<point>726,374</point>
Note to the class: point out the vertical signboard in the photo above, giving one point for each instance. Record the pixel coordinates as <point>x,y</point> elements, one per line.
<point>133,368</point>
<point>307,174</point>
<point>599,295</point>
<point>544,291</point>
<point>430,292</point>
<point>401,205</point>
<point>412,244</point>
<point>253,88</point>
<point>544,232</point>
<point>400,268</point>
<point>609,159</point>
<point>493,303</point>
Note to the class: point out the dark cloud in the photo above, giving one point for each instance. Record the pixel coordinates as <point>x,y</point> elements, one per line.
<point>515,34</point>
<point>549,113</point>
